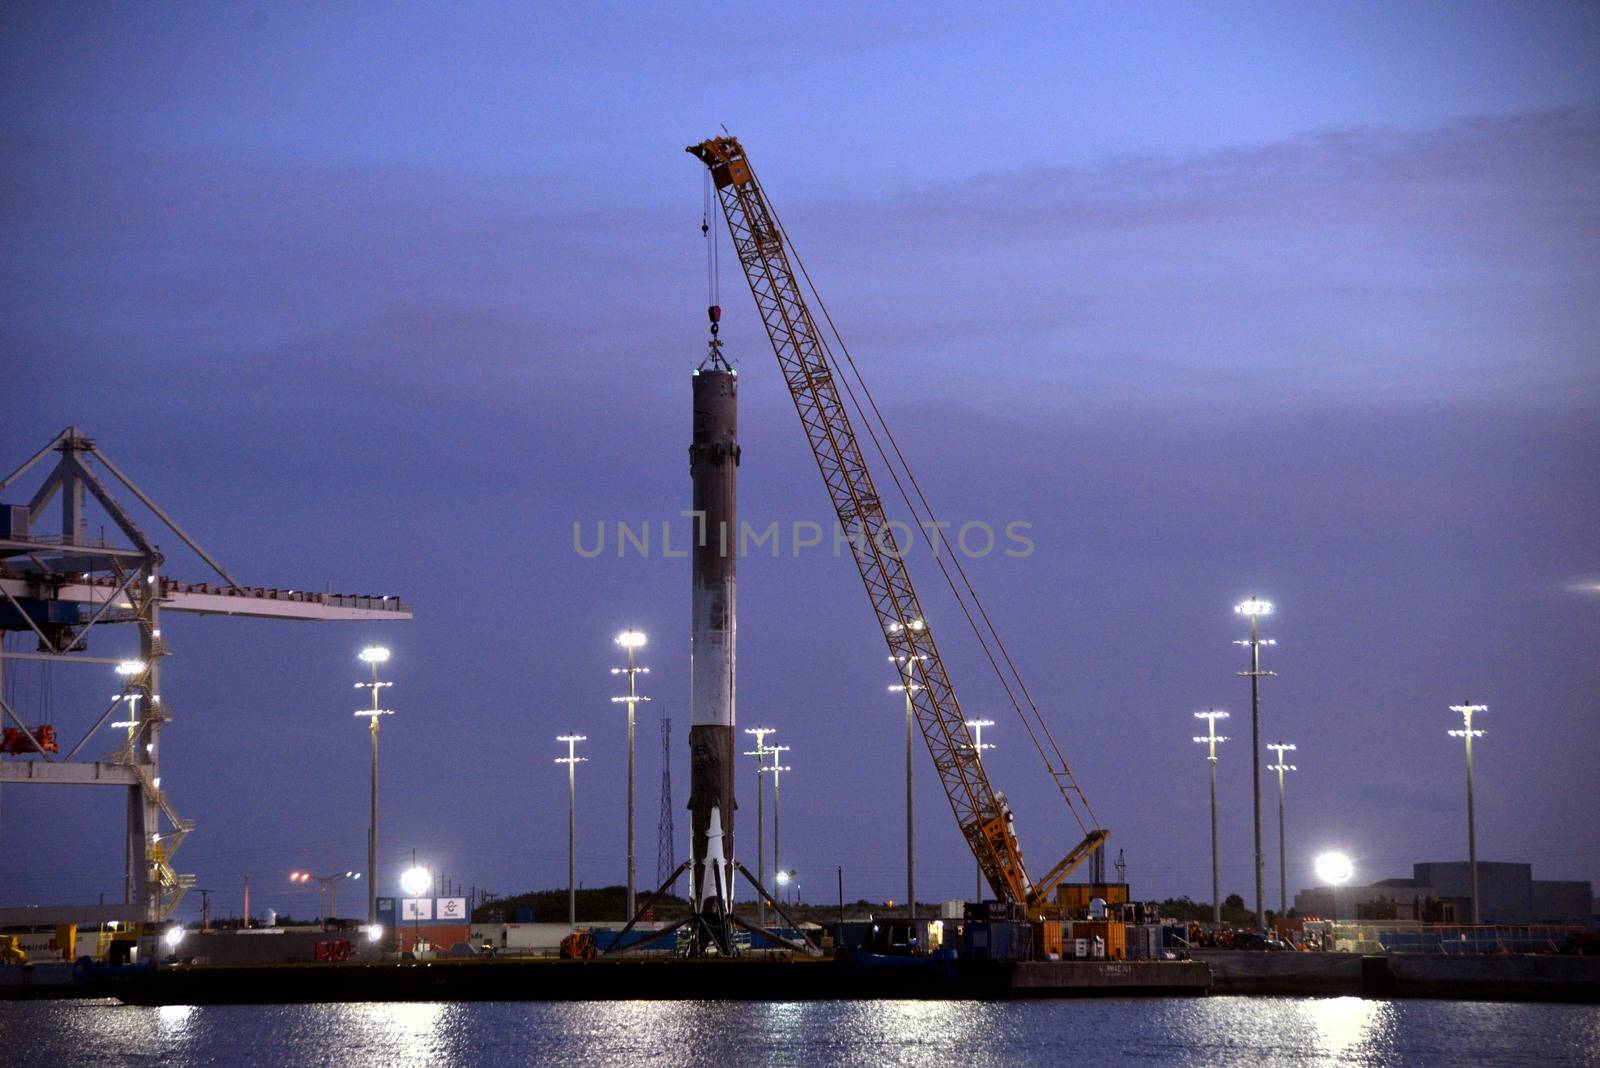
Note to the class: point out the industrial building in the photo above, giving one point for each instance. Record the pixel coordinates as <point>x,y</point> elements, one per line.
<point>1441,892</point>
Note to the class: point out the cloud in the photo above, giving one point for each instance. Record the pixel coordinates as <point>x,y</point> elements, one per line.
<point>1337,268</point>
<point>1344,268</point>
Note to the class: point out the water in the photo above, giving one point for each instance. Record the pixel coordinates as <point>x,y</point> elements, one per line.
<point>967,1034</point>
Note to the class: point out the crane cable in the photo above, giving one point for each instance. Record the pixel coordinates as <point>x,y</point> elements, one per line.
<point>709,232</point>
<point>876,417</point>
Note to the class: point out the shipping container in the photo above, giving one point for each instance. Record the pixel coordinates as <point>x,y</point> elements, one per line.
<point>996,941</point>
<point>892,936</point>
<point>1175,936</point>
<point>1144,941</point>
<point>1076,896</point>
<point>441,936</point>
<point>994,912</point>
<point>1051,938</point>
<point>1112,935</point>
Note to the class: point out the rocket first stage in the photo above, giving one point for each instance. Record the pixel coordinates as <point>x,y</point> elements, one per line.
<point>714,468</point>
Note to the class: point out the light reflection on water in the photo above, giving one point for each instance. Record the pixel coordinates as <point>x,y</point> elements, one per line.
<point>1349,1028</point>
<point>964,1034</point>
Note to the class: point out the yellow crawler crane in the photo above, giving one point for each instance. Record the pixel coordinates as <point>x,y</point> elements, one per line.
<point>11,951</point>
<point>804,357</point>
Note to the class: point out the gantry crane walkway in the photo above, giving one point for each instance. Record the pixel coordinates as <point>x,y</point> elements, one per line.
<point>62,584</point>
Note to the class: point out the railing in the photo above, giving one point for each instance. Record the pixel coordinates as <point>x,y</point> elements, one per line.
<point>371,602</point>
<point>61,540</point>
<point>1457,939</point>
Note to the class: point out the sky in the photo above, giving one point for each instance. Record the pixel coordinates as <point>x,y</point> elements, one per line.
<point>1298,302</point>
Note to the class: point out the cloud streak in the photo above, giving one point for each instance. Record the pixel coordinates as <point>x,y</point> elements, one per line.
<point>1450,264</point>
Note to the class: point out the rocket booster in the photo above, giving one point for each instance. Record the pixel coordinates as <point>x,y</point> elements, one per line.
<point>714,468</point>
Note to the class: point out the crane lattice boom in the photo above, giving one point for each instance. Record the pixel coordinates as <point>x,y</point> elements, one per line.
<point>982,813</point>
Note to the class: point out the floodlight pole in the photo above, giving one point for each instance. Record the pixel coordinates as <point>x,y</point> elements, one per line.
<point>911,820</point>
<point>976,727</point>
<point>776,770</point>
<point>760,753</point>
<point>1467,733</point>
<point>373,655</point>
<point>572,760</point>
<point>630,640</point>
<point>908,689</point>
<point>372,826</point>
<point>1254,608</point>
<point>1210,740</point>
<point>1283,856</point>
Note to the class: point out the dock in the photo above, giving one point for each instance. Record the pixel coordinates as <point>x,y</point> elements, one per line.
<point>797,979</point>
<point>1510,977</point>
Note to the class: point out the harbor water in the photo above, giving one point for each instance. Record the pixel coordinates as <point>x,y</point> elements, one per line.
<point>1193,1031</point>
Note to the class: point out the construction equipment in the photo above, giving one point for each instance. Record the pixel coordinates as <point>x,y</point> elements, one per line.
<point>809,369</point>
<point>41,739</point>
<point>11,951</point>
<point>579,945</point>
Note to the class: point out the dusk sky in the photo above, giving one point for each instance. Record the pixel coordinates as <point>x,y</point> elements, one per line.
<point>1291,300</point>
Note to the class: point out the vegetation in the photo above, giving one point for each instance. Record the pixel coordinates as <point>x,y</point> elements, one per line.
<point>608,904</point>
<point>1234,911</point>
<point>601,904</point>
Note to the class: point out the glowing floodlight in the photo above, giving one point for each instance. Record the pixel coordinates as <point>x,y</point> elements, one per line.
<point>1334,868</point>
<point>415,881</point>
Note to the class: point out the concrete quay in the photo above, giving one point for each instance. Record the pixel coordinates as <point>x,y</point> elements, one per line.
<point>659,979</point>
<point>1500,977</point>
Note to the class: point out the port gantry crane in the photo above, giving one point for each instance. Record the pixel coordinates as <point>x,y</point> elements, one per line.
<point>984,816</point>
<point>60,587</point>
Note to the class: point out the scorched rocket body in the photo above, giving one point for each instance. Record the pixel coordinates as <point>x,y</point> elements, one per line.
<point>714,468</point>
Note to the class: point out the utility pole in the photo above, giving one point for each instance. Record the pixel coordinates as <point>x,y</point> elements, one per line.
<point>1210,740</point>
<point>908,688</point>
<point>1283,855</point>
<point>572,760</point>
<point>1255,608</point>
<point>760,753</point>
<point>1467,733</point>
<point>205,908</point>
<point>245,922</point>
<point>630,640</point>
<point>976,727</point>
<point>373,655</point>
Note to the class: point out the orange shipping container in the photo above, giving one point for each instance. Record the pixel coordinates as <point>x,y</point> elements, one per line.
<point>1114,935</point>
<point>439,935</point>
<point>1052,937</point>
<point>1078,895</point>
